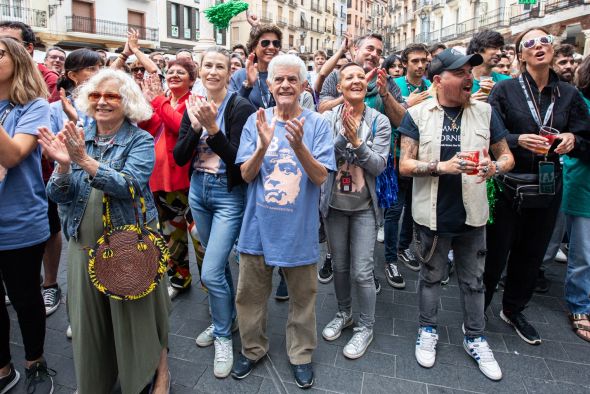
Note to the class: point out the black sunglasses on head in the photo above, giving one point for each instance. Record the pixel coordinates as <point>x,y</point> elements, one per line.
<point>275,43</point>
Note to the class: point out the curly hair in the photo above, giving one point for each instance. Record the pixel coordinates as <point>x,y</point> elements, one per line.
<point>564,50</point>
<point>485,39</point>
<point>135,106</point>
<point>255,35</point>
<point>411,49</point>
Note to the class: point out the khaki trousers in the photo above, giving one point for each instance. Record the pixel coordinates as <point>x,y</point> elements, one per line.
<point>254,288</point>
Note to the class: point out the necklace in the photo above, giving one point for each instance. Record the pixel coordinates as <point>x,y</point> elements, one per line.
<point>453,120</point>
<point>411,87</point>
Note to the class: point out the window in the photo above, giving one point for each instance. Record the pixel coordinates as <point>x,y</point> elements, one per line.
<point>291,41</point>
<point>220,36</point>
<point>13,8</point>
<point>310,44</point>
<point>83,16</point>
<point>136,20</point>
<point>348,19</point>
<point>349,3</point>
<point>174,19</point>
<point>187,21</point>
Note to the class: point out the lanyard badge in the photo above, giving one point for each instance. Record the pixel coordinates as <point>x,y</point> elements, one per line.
<point>346,182</point>
<point>546,177</point>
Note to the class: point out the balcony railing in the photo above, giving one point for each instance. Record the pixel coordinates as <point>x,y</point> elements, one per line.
<point>282,22</point>
<point>495,19</point>
<point>266,18</point>
<point>108,28</point>
<point>32,17</point>
<point>292,3</point>
<point>552,6</point>
<point>315,6</point>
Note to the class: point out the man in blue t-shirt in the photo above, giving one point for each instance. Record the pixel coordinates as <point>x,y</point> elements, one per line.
<point>285,154</point>
<point>488,44</point>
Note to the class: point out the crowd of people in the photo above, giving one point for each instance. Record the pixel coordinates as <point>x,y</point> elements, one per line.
<point>473,161</point>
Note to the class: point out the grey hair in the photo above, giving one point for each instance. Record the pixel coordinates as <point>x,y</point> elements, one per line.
<point>56,48</point>
<point>135,107</point>
<point>217,49</point>
<point>288,61</point>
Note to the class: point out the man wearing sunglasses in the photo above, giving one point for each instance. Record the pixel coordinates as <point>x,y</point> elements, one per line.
<point>488,44</point>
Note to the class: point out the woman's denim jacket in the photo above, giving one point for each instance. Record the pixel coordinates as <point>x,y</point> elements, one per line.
<point>131,153</point>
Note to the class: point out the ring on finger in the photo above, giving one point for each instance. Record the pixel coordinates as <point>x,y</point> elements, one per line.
<point>462,163</point>
<point>485,169</point>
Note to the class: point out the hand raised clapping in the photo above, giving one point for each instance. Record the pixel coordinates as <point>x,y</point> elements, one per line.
<point>203,114</point>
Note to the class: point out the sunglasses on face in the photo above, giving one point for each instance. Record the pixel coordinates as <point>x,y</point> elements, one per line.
<point>110,97</point>
<point>138,69</point>
<point>543,40</point>
<point>275,43</point>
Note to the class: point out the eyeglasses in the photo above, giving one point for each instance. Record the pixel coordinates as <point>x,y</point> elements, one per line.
<point>110,97</point>
<point>543,40</point>
<point>55,57</point>
<point>275,43</point>
<point>2,53</point>
<point>138,69</point>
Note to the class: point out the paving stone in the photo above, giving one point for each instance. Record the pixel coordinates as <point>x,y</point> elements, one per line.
<point>569,372</point>
<point>441,374</point>
<point>379,363</point>
<point>376,384</point>
<point>577,352</point>
<point>537,386</point>
<point>445,390</point>
<point>208,383</point>
<point>185,373</point>
<point>406,298</point>
<point>474,380</point>
<point>548,349</point>
<point>393,345</point>
<point>523,365</point>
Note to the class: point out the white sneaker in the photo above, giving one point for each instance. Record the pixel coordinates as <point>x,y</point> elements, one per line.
<point>333,329</point>
<point>479,349</point>
<point>426,346</point>
<point>69,332</point>
<point>224,357</point>
<point>560,257</point>
<point>381,234</point>
<point>358,344</point>
<point>206,338</point>
<point>172,292</point>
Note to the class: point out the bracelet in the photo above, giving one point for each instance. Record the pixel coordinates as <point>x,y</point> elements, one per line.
<point>498,167</point>
<point>123,57</point>
<point>385,95</point>
<point>433,168</point>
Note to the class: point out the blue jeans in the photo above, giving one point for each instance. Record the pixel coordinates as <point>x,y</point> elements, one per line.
<point>218,218</point>
<point>391,225</point>
<point>577,278</point>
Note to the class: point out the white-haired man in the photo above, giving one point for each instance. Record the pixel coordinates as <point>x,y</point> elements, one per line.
<point>285,154</point>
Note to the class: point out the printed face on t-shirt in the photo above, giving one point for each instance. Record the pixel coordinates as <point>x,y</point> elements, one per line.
<point>282,185</point>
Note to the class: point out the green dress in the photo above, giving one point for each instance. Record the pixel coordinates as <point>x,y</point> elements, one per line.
<point>111,339</point>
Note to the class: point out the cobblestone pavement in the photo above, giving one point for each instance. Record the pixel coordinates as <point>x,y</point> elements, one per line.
<point>560,365</point>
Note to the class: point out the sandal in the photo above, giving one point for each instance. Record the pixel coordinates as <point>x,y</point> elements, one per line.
<point>578,328</point>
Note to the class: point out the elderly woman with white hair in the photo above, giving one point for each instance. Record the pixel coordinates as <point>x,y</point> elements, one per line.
<point>111,339</point>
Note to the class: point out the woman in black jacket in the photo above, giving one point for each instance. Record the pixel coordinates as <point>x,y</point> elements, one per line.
<point>210,135</point>
<point>524,221</point>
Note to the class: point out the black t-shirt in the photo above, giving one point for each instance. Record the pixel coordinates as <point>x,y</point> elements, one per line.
<point>450,212</point>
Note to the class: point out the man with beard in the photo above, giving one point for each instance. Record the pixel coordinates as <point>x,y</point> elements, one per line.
<point>503,66</point>
<point>413,86</point>
<point>563,62</point>
<point>450,208</point>
<point>385,98</point>
<point>488,44</point>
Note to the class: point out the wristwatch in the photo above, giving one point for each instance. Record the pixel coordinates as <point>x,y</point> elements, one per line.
<point>433,168</point>
<point>246,85</point>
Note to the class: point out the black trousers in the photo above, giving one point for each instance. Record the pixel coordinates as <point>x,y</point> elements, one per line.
<point>19,269</point>
<point>519,239</point>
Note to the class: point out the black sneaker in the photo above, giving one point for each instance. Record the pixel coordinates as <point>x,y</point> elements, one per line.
<point>39,378</point>
<point>303,375</point>
<point>326,274</point>
<point>51,299</point>
<point>394,278</point>
<point>377,284</point>
<point>282,293</point>
<point>242,367</point>
<point>9,381</point>
<point>522,327</point>
<point>542,283</point>
<point>407,257</point>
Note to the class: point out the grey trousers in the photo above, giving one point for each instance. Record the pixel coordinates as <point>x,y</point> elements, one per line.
<point>352,240</point>
<point>469,249</point>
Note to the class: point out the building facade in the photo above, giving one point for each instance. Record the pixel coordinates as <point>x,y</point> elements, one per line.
<point>73,24</point>
<point>179,25</point>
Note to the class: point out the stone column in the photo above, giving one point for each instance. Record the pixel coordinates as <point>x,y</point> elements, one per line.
<point>206,29</point>
<point>586,42</point>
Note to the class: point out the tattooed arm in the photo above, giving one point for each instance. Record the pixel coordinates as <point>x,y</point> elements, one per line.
<point>503,155</point>
<point>408,165</point>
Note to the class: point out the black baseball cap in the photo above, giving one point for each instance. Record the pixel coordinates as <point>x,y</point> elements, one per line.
<point>451,59</point>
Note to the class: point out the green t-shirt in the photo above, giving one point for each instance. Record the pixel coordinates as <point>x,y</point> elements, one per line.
<point>496,77</point>
<point>576,188</point>
<point>405,86</point>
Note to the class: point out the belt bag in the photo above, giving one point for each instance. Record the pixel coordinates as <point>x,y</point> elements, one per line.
<point>523,191</point>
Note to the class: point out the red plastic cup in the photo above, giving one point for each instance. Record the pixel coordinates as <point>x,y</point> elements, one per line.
<point>551,134</point>
<point>471,155</point>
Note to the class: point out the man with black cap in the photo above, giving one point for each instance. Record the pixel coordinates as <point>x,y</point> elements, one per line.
<point>444,146</point>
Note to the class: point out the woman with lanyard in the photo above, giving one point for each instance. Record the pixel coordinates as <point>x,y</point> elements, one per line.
<point>350,206</point>
<point>79,66</point>
<point>24,227</point>
<point>250,82</point>
<point>523,224</point>
<point>170,182</point>
<point>210,135</point>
